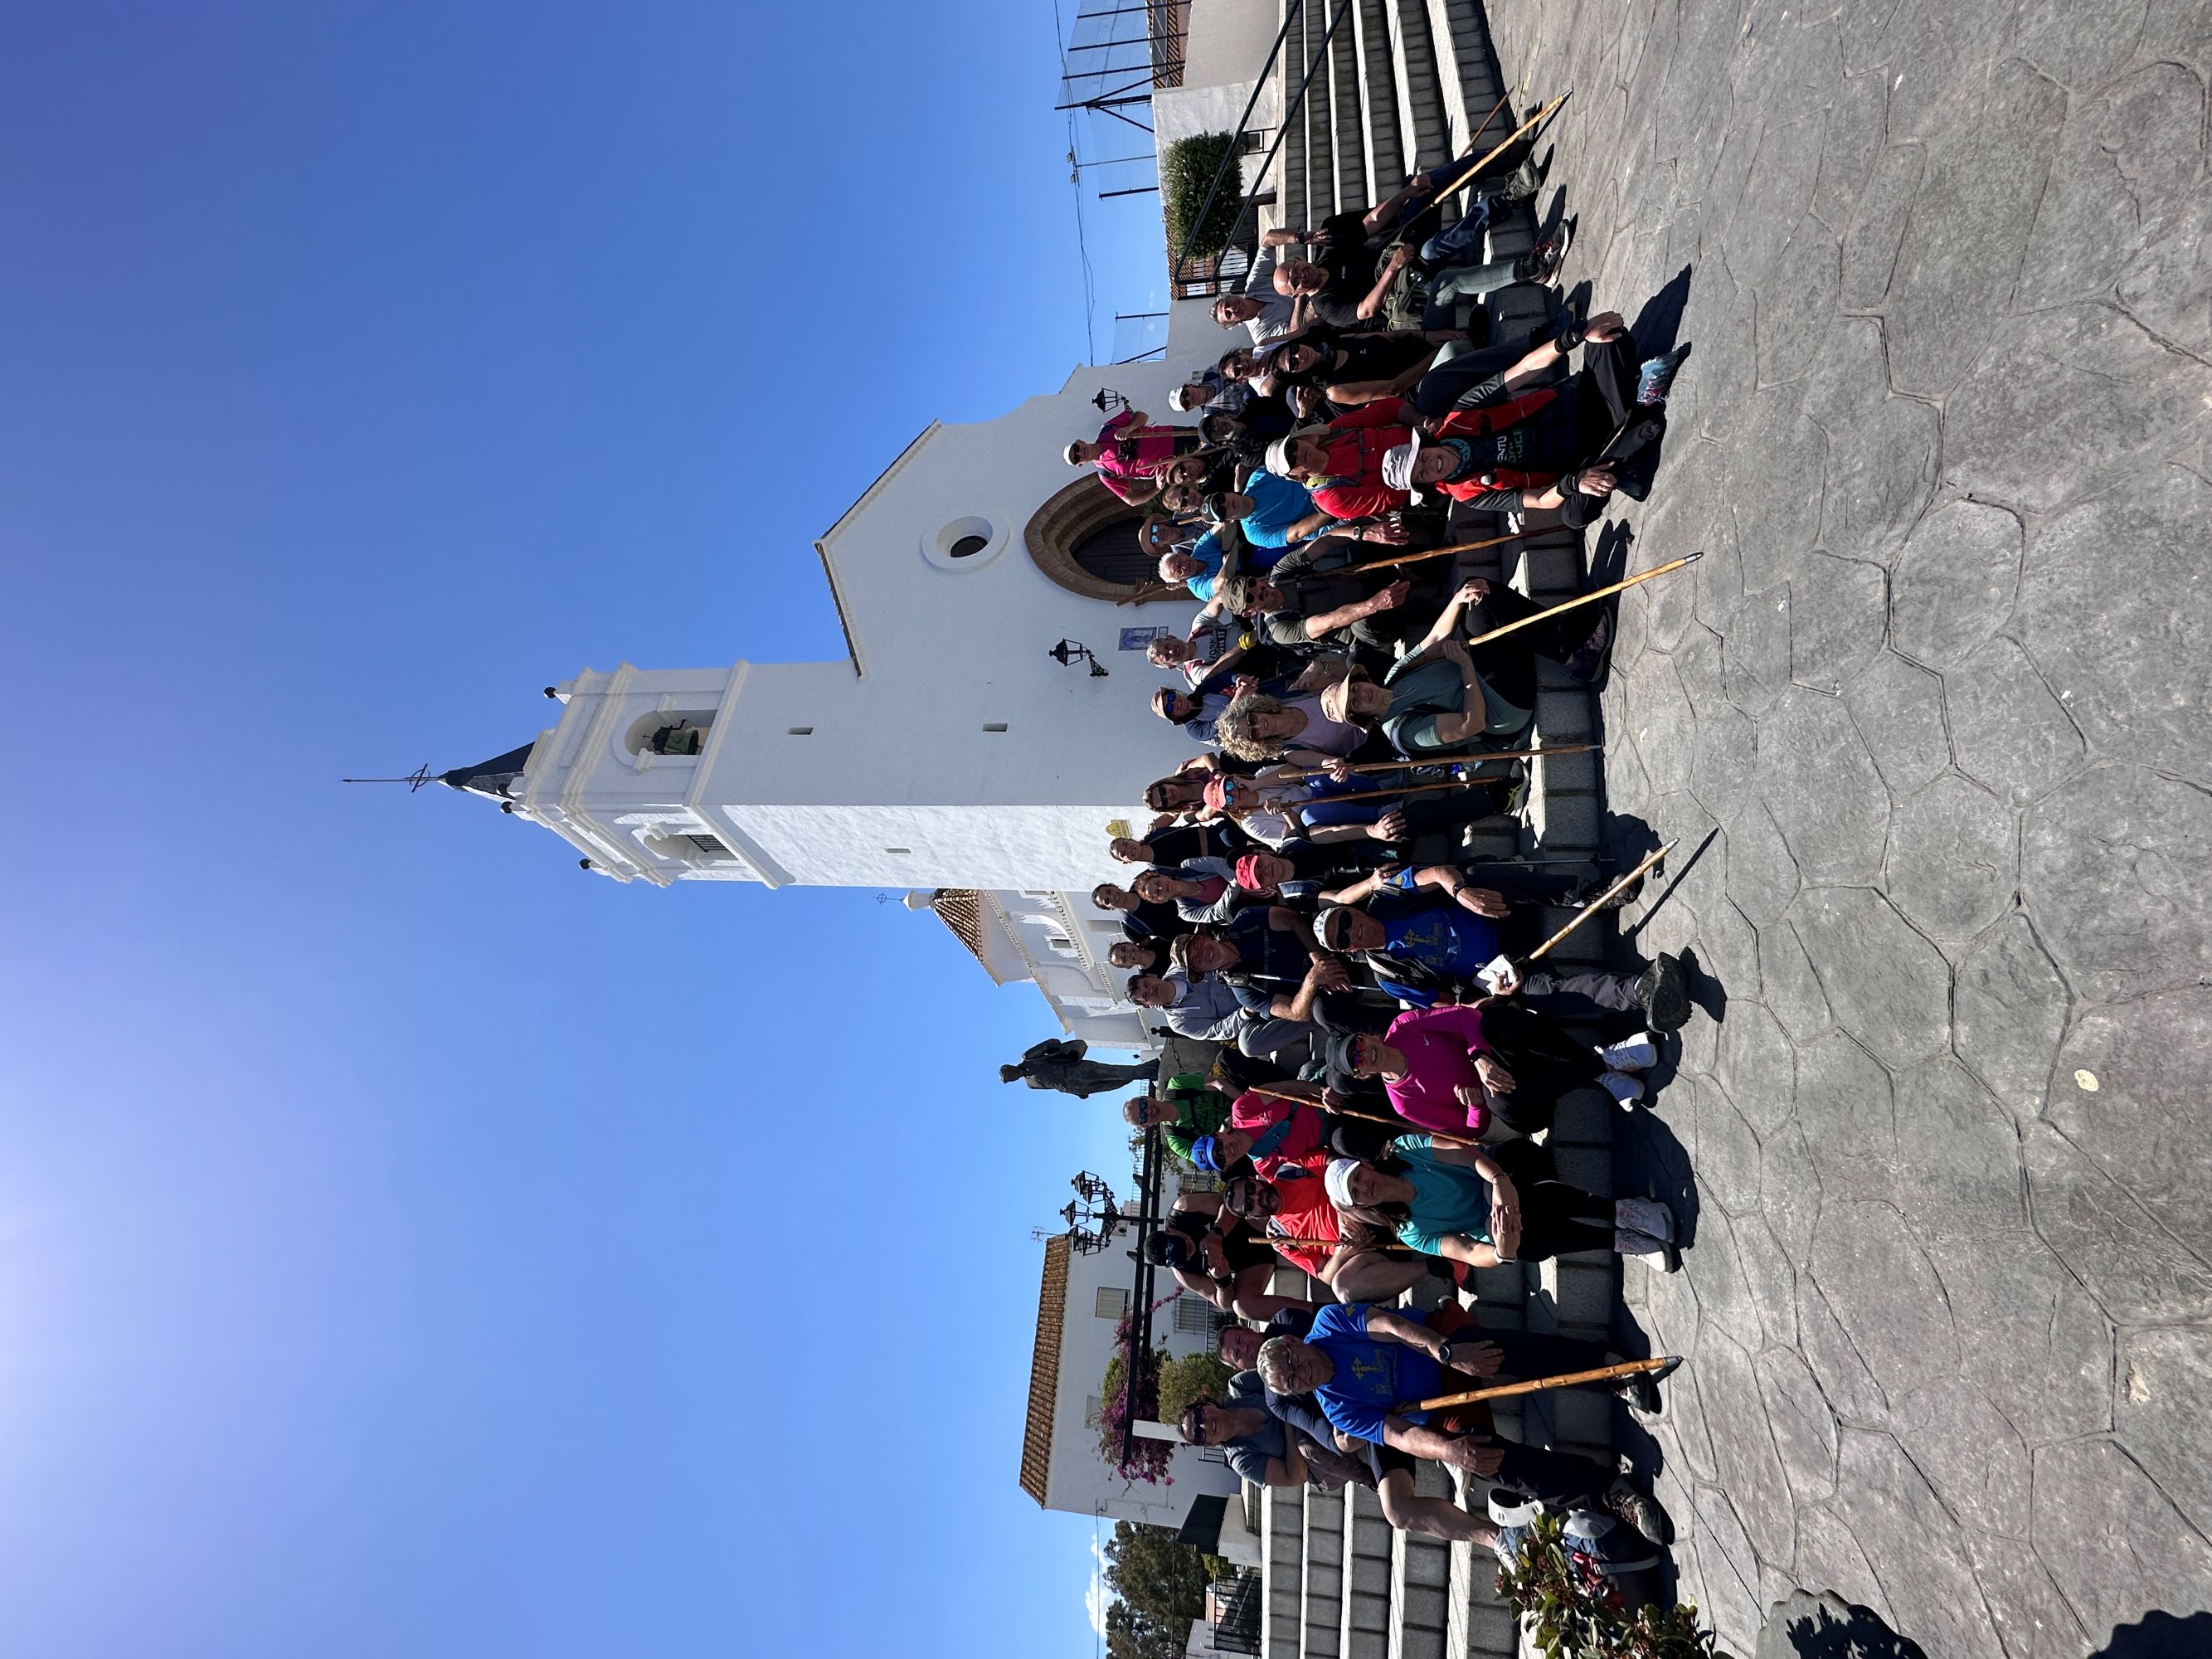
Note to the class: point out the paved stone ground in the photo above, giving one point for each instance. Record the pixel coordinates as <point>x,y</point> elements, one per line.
<point>1938,694</point>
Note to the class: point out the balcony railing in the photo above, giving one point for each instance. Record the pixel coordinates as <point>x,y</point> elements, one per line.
<point>1237,1620</point>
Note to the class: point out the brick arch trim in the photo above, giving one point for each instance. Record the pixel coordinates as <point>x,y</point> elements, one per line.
<point>1059,527</point>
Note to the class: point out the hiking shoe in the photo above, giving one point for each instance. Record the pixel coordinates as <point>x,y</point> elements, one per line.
<point>1644,1215</point>
<point>1639,1511</point>
<point>1641,1390</point>
<point>1625,1090</point>
<point>1656,1254</point>
<point>1630,1053</point>
<point>1587,660</point>
<point>1544,260</point>
<point>1658,375</point>
<point>1665,996</point>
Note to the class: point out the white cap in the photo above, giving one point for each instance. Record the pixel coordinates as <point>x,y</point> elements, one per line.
<point>1338,1181</point>
<point>1278,455</point>
<point>1398,466</point>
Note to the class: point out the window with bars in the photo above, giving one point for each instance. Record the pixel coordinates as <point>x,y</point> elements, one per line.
<point>1196,1318</point>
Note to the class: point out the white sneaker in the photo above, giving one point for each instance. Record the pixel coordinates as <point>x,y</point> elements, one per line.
<point>1630,1053</point>
<point>1644,1215</point>
<point>1625,1089</point>
<point>1656,1254</point>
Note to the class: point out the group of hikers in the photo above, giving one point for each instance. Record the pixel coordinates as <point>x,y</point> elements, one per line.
<point>1388,1039</point>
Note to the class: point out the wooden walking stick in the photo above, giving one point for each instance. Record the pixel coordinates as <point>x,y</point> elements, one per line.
<point>1144,595</point>
<point>1404,1125</point>
<point>1414,765</point>
<point>1433,553</point>
<point>1597,904</point>
<point>1570,1379</point>
<point>1587,598</point>
<point>1534,121</point>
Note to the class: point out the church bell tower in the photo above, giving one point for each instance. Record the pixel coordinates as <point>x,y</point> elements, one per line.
<point>950,748</point>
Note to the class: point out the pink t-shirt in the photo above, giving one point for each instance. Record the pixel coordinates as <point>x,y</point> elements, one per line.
<point>1154,447</point>
<point>1440,1045</point>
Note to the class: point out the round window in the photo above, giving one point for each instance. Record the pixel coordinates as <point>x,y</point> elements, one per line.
<point>964,545</point>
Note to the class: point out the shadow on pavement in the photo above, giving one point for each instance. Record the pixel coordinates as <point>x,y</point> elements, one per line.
<point>2160,1636</point>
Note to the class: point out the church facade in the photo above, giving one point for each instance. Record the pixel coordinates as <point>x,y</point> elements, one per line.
<point>949,748</point>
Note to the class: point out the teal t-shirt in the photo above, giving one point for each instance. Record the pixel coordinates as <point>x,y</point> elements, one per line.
<point>1448,1198</point>
<point>1420,697</point>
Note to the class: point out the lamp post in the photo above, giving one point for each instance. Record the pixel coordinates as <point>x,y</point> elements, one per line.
<point>1093,1215</point>
<point>1067,651</point>
<point>1109,400</point>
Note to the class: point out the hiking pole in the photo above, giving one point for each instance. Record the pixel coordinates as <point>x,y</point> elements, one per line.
<point>1146,595</point>
<point>1596,904</point>
<point>1415,765</point>
<point>1406,1125</point>
<point>1407,789</point>
<point>1535,120</point>
<point>1585,598</point>
<point>1433,553</point>
<point>1297,1244</point>
<point>1569,1380</point>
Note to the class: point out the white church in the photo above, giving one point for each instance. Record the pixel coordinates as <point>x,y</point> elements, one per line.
<point>948,752</point>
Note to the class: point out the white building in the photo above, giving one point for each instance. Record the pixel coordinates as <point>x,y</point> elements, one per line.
<point>948,749</point>
<point>1080,1306</point>
<point>1056,941</point>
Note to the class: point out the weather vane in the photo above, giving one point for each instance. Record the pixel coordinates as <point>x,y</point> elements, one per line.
<point>414,780</point>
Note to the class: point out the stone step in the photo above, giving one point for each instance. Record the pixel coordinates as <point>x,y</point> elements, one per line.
<point>1480,1623</point>
<point>1453,94</point>
<point>1282,1606</point>
<point>1364,1630</point>
<point>1290,159</point>
<point>1378,98</point>
<point>1320,1631</point>
<point>1355,184</point>
<point>1316,116</point>
<point>1420,1578</point>
<point>1424,132</point>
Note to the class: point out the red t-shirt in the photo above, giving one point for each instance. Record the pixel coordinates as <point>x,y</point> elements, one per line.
<point>1259,1113</point>
<point>1306,1212</point>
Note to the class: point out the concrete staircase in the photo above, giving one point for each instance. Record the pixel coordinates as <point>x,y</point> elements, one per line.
<point>1396,91</point>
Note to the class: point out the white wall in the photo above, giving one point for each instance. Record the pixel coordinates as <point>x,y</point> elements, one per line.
<point>1079,1481</point>
<point>896,780</point>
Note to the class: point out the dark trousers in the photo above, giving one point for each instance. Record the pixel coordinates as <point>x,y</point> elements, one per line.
<point>1605,1000</point>
<point>1557,1220</point>
<point>1557,1477</point>
<point>1532,1354</point>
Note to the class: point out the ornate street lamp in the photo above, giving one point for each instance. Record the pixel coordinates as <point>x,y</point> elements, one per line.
<point>1093,1215</point>
<point>1067,651</point>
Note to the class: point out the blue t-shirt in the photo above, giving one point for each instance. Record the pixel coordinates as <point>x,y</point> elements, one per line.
<point>1449,941</point>
<point>1373,1379</point>
<point>1277,504</point>
<point>1207,551</point>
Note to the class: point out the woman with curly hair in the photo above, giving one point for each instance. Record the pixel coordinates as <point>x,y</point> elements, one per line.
<point>1258,728</point>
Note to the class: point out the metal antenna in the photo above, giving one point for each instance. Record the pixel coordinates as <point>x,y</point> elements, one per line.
<point>414,780</point>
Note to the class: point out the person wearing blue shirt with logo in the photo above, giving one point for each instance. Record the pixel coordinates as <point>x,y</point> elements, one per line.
<point>1366,1369</point>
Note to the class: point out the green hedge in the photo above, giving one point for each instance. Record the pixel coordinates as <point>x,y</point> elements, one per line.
<point>1187,170</point>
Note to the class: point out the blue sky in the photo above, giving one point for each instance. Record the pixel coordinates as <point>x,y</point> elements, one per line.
<point>409,1244</point>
